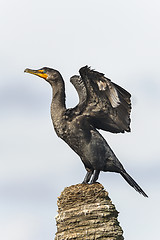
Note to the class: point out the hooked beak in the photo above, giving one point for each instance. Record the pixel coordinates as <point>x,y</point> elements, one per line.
<point>39,73</point>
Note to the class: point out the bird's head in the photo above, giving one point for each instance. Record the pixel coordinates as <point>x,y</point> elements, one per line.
<point>48,74</point>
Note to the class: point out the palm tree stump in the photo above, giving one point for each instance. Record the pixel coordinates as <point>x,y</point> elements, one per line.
<point>86,212</point>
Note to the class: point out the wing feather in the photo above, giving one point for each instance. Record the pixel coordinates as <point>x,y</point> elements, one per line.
<point>106,105</point>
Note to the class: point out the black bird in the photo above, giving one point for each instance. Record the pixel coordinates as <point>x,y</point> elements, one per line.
<point>102,105</point>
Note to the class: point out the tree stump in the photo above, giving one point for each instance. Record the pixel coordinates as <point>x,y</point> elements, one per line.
<point>86,212</point>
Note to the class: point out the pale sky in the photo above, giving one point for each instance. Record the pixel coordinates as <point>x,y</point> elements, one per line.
<point>118,38</point>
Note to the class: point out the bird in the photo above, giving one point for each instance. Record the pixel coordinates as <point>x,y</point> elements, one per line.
<point>102,105</point>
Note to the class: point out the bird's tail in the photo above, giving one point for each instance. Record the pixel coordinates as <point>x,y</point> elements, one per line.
<point>131,182</point>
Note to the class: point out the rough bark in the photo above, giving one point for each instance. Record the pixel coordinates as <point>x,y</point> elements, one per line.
<point>86,212</point>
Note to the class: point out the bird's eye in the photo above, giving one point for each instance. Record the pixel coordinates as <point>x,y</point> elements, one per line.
<point>44,71</point>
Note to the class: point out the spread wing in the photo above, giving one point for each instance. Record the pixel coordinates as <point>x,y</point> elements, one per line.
<point>106,105</point>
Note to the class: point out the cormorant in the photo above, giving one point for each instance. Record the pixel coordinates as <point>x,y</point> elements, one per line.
<point>102,105</point>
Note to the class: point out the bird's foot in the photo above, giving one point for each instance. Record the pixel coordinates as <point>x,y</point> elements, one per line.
<point>85,182</point>
<point>95,176</point>
<point>94,182</point>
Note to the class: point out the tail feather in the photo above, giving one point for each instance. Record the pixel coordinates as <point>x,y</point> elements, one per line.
<point>131,182</point>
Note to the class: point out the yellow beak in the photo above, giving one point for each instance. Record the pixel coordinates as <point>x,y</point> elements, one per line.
<point>39,73</point>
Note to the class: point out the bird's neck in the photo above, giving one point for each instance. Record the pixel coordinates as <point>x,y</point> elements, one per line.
<point>58,106</point>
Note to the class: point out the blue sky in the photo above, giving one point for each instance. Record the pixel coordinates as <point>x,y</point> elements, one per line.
<point>118,38</point>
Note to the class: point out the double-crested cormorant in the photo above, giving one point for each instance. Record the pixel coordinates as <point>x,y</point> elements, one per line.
<point>102,105</point>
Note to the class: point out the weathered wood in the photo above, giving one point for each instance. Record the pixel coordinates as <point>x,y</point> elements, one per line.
<point>86,212</point>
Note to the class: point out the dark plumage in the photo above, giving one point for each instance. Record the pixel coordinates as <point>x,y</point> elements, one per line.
<point>102,105</point>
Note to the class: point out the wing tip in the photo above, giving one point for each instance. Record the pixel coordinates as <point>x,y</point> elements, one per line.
<point>87,70</point>
<point>84,70</point>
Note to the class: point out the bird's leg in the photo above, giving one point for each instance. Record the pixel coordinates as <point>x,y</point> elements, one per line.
<point>95,176</point>
<point>87,177</point>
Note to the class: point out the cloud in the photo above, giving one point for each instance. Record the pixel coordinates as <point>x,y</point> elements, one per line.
<point>118,38</point>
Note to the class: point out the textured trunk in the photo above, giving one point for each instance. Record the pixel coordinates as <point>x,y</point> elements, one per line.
<point>86,212</point>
